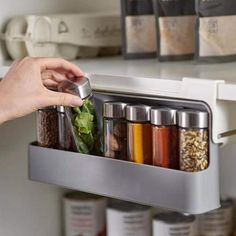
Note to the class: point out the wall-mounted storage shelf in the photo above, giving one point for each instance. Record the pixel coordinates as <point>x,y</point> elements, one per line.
<point>186,192</point>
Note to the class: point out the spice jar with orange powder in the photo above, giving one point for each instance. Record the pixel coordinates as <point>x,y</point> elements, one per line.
<point>139,134</point>
<point>164,138</point>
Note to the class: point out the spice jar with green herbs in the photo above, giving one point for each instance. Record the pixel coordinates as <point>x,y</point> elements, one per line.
<point>47,127</point>
<point>193,140</point>
<point>114,130</point>
<point>83,120</point>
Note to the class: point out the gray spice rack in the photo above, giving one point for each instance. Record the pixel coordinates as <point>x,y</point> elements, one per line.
<point>177,190</point>
<point>193,193</point>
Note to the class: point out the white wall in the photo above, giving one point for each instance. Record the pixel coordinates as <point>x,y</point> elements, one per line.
<point>28,208</point>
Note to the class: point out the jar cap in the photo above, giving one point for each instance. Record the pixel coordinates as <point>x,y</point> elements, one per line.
<point>139,113</point>
<point>174,217</point>
<point>80,86</point>
<point>192,119</point>
<point>61,109</point>
<point>114,110</point>
<point>163,116</point>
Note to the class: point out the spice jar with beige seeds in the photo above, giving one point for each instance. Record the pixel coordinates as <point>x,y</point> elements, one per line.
<point>193,140</point>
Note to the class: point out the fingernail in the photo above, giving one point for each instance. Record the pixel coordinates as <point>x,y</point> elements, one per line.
<point>76,102</point>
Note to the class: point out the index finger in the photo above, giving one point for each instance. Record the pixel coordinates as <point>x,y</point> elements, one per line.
<point>58,63</point>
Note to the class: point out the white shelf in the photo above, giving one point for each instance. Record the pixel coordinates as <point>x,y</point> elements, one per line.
<point>151,68</point>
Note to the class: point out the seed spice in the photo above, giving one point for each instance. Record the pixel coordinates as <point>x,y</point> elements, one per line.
<point>194,149</point>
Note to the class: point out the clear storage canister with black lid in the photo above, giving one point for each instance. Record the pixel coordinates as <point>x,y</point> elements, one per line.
<point>47,127</point>
<point>164,138</point>
<point>139,133</point>
<point>193,140</point>
<point>83,120</point>
<point>114,130</point>
<point>66,140</point>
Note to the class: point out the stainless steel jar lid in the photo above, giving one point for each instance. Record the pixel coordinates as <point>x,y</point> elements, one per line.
<point>79,86</point>
<point>138,113</point>
<point>163,116</point>
<point>61,109</point>
<point>192,119</point>
<point>174,218</point>
<point>123,206</point>
<point>114,110</point>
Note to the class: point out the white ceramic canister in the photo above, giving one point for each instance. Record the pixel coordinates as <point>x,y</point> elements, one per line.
<point>128,219</point>
<point>174,224</point>
<point>218,222</point>
<point>84,214</point>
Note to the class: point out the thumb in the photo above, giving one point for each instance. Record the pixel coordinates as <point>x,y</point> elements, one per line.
<point>64,99</point>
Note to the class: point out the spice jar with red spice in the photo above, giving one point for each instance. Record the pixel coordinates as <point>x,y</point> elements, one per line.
<point>164,138</point>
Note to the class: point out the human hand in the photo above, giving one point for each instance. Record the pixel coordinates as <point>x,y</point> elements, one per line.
<point>25,87</point>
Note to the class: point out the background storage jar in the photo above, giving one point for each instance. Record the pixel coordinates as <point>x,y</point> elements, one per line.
<point>114,130</point>
<point>194,140</point>
<point>47,127</point>
<point>173,223</point>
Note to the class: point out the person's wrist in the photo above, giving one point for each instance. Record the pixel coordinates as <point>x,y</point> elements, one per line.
<point>3,116</point>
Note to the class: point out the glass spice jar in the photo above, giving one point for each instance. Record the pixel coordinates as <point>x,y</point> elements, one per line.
<point>193,140</point>
<point>164,138</point>
<point>83,120</point>
<point>47,127</point>
<point>139,134</point>
<point>66,141</point>
<point>114,130</point>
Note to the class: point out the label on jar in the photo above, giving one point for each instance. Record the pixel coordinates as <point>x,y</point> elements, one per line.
<point>177,35</point>
<point>85,218</point>
<point>217,223</point>
<point>216,37</point>
<point>135,223</point>
<point>161,228</point>
<point>141,34</point>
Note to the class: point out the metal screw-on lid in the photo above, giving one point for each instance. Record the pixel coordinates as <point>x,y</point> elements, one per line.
<point>114,110</point>
<point>79,86</point>
<point>139,113</point>
<point>174,218</point>
<point>61,109</point>
<point>192,119</point>
<point>163,116</point>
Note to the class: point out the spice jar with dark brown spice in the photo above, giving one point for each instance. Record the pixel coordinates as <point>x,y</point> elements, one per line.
<point>193,140</point>
<point>114,130</point>
<point>47,127</point>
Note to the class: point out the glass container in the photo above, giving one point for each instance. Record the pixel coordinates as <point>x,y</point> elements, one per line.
<point>114,130</point>
<point>83,120</point>
<point>164,138</point>
<point>193,140</point>
<point>139,134</point>
<point>47,127</point>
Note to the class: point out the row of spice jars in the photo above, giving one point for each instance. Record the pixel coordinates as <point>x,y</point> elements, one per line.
<point>156,136</point>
